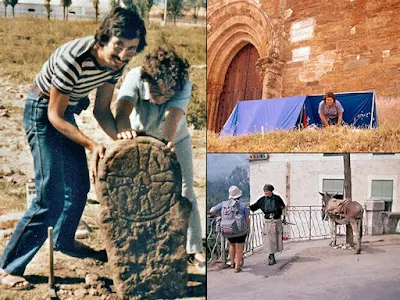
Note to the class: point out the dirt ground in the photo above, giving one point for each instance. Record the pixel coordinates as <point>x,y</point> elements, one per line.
<point>70,273</point>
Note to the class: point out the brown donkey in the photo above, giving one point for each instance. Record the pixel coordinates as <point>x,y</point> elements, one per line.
<point>343,212</point>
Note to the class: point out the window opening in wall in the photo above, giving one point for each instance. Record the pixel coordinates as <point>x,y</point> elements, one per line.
<point>333,187</point>
<point>383,190</point>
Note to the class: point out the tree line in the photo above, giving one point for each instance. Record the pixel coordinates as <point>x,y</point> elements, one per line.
<point>217,190</point>
<point>175,8</point>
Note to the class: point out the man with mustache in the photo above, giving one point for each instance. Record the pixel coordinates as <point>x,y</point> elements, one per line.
<point>61,90</point>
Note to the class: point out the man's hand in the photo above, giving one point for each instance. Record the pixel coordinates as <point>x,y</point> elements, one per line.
<point>127,134</point>
<point>98,153</point>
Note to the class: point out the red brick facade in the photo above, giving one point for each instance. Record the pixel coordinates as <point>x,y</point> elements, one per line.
<point>306,47</point>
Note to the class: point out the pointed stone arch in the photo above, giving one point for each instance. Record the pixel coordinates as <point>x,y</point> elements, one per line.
<point>230,28</point>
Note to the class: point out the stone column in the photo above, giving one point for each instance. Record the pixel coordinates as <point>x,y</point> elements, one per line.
<point>374,209</point>
<point>214,91</point>
<point>271,73</point>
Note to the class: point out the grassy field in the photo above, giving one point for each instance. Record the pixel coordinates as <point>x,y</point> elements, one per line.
<point>386,138</point>
<point>28,42</point>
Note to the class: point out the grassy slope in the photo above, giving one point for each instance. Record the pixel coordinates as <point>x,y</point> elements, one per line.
<point>386,138</point>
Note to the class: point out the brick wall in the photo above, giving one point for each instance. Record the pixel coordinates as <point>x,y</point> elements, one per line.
<point>352,45</point>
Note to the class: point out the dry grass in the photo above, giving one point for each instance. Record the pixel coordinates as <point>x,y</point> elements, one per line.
<point>28,42</point>
<point>386,138</point>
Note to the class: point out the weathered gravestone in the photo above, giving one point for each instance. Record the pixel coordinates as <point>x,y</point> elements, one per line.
<point>143,219</point>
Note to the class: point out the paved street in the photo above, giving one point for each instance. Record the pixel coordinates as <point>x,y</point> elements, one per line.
<point>315,271</point>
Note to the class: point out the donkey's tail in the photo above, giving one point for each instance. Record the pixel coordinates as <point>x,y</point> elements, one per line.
<point>360,227</point>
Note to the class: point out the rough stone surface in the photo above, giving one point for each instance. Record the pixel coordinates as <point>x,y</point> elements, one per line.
<point>144,219</point>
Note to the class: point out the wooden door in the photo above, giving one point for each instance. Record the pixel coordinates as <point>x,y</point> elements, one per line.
<point>242,82</point>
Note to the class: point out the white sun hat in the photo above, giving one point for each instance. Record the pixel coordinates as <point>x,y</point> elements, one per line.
<point>234,192</point>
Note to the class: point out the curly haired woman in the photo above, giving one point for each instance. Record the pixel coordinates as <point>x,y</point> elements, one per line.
<point>153,99</point>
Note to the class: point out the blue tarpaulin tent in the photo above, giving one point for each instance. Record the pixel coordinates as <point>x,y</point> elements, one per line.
<point>254,116</point>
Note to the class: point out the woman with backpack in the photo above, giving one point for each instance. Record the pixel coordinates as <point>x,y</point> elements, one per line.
<point>272,206</point>
<point>235,222</point>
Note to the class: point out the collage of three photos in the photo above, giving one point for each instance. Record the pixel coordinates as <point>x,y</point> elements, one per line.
<point>185,149</point>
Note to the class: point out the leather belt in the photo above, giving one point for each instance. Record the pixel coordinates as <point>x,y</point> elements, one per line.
<point>35,89</point>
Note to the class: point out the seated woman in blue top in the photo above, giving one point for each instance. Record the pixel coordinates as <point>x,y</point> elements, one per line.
<point>153,99</point>
<point>330,110</point>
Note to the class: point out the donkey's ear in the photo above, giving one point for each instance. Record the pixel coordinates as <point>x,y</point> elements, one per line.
<point>322,194</point>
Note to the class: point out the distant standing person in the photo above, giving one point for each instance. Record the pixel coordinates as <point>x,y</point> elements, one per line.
<point>236,246</point>
<point>330,110</point>
<point>62,182</point>
<point>273,207</point>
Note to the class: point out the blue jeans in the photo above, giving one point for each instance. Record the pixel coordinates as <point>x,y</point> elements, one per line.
<point>61,182</point>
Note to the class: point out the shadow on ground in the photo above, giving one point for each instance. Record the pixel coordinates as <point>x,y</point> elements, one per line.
<point>262,269</point>
<point>196,286</point>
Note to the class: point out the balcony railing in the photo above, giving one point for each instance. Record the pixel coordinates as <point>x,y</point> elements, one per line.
<point>305,224</point>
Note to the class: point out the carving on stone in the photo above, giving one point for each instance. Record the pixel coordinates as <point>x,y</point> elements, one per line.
<point>269,64</point>
<point>143,219</point>
<point>271,72</point>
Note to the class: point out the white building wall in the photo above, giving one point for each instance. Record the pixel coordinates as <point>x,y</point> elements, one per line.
<point>306,172</point>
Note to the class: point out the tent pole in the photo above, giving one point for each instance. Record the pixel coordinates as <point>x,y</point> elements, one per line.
<point>372,110</point>
<point>342,93</point>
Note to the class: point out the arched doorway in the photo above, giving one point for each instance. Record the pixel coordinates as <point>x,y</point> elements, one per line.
<point>242,82</point>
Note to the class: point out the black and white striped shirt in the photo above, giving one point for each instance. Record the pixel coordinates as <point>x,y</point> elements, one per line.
<point>72,70</point>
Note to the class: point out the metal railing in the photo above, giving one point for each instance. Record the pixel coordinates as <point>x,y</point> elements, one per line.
<point>306,224</point>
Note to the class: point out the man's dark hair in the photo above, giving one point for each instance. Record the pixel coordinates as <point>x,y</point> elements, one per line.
<point>163,67</point>
<point>123,23</point>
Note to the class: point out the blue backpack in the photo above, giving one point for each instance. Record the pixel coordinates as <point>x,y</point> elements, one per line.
<point>232,224</point>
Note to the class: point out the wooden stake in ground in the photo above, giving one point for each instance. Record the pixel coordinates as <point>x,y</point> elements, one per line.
<point>52,291</point>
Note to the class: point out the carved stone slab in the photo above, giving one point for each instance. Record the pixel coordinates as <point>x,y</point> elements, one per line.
<point>143,219</point>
